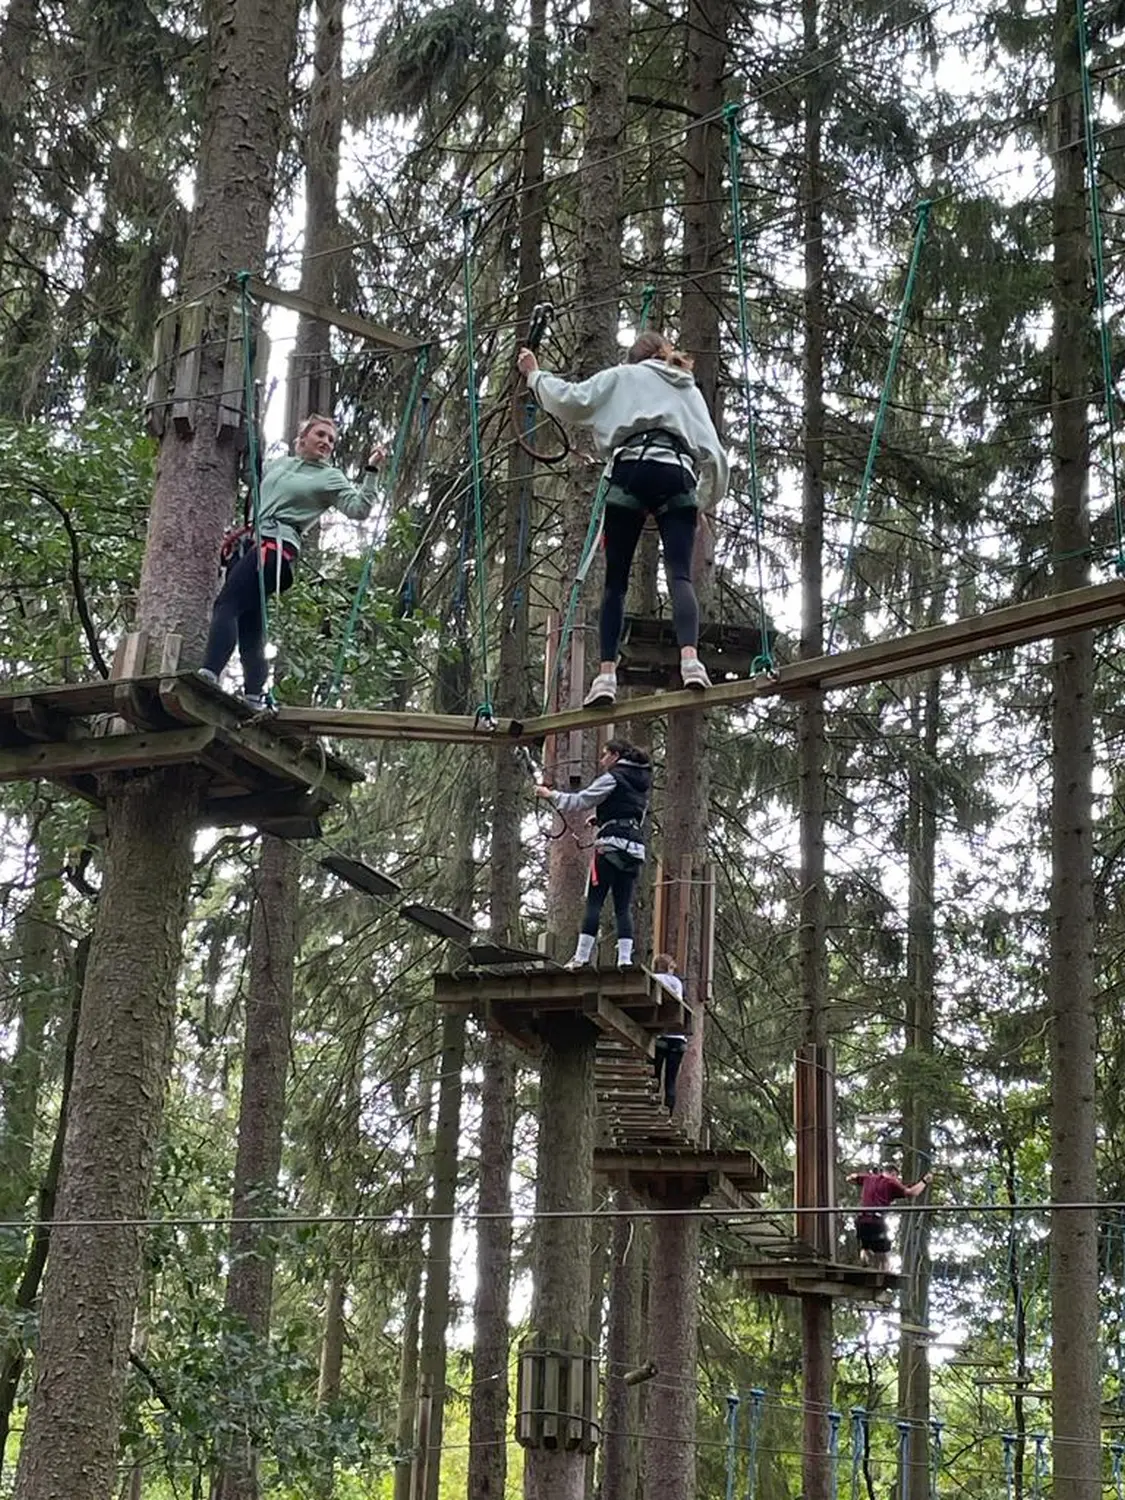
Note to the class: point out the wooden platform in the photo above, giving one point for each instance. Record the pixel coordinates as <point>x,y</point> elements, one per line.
<point>996,630</point>
<point>629,1006</point>
<point>650,654</point>
<point>258,772</point>
<point>677,1172</point>
<point>822,1278</point>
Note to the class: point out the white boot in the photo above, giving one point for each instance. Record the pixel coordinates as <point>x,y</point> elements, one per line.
<point>624,953</point>
<point>582,953</point>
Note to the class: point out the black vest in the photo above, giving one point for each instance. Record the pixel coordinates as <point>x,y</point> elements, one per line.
<point>623,811</point>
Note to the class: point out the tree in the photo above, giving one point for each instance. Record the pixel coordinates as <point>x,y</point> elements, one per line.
<point>123,1051</point>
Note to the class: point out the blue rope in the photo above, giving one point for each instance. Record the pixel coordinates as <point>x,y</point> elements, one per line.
<point>935,1455</point>
<point>1009,1465</point>
<point>903,1456</point>
<point>859,1445</point>
<point>757,1403</point>
<point>732,1441</point>
<point>834,1420</point>
<point>1118,1451</point>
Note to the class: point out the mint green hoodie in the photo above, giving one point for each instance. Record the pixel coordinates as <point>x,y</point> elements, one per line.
<point>297,491</point>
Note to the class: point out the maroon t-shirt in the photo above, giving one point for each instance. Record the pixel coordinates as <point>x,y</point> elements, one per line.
<point>880,1189</point>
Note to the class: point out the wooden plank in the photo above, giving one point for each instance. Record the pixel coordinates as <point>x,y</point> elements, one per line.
<point>119,752</point>
<point>258,807</point>
<point>999,629</point>
<point>382,724</point>
<point>355,872</point>
<point>375,333</point>
<point>185,390</point>
<point>443,923</point>
<point>36,722</point>
<point>610,1017</point>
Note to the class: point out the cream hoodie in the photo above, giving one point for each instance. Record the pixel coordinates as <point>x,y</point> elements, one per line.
<point>627,399</point>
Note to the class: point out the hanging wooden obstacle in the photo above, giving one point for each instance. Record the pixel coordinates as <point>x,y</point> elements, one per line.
<point>557,1393</point>
<point>256,771</point>
<point>818,1278</point>
<point>649,654</point>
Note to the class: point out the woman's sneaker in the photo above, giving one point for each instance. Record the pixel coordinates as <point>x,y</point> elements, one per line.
<point>207,675</point>
<point>261,703</point>
<point>693,673</point>
<point>603,691</point>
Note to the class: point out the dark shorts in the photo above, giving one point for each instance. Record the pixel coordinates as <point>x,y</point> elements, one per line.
<point>873,1235</point>
<point>651,485</point>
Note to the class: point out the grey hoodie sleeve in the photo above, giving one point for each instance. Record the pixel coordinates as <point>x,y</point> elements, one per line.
<point>590,796</point>
<point>714,470</point>
<point>570,402</point>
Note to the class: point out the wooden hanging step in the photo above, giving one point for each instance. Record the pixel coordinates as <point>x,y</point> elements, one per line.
<point>628,1004</point>
<point>650,655</point>
<point>258,772</point>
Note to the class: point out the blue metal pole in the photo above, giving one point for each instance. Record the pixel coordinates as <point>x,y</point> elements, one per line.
<point>732,1439</point>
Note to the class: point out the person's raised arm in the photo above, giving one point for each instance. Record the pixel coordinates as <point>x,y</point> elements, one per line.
<point>356,500</point>
<point>562,398</point>
<point>916,1189</point>
<point>590,796</point>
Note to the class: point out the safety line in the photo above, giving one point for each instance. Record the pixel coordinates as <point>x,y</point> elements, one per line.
<point>243,279</point>
<point>589,547</point>
<point>764,661</point>
<point>484,713</point>
<point>860,507</point>
<point>397,453</point>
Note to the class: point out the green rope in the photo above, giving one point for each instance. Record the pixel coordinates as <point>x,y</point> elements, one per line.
<point>1099,277</point>
<point>860,507</point>
<point>243,279</point>
<point>648,297</point>
<point>589,546</point>
<point>393,469</point>
<point>484,712</point>
<point>763,662</point>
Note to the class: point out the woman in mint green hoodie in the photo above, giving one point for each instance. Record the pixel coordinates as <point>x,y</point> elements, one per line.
<point>295,492</point>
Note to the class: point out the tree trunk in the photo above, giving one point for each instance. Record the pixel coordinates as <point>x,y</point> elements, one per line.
<point>675,1244</point>
<point>816,1312</point>
<point>914,1299</point>
<point>24,1298</point>
<point>124,1043</point>
<point>21,28</point>
<point>621,1419</point>
<point>1071,977</point>
<point>412,1298</point>
<point>261,1117</point>
<point>562,1246</point>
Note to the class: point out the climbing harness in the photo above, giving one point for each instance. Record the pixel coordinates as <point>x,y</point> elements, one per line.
<point>859,510</point>
<point>936,1426</point>
<point>834,1420</point>
<point>393,468</point>
<point>764,661</point>
<point>859,1445</point>
<point>757,1405</point>
<point>1009,1465</point>
<point>1101,308</point>
<point>524,422</point>
<point>732,1441</point>
<point>484,718</point>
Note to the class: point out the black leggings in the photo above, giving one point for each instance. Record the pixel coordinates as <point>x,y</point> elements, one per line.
<point>623,527</point>
<point>608,877</point>
<point>237,616</point>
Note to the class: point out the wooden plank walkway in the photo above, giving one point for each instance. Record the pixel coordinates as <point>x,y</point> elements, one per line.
<point>257,771</point>
<point>1090,608</point>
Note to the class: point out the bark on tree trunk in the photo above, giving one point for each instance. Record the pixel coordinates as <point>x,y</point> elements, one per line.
<point>20,29</point>
<point>412,1301</point>
<point>562,1246</point>
<point>27,1292</point>
<point>1071,979</point>
<point>816,1312</point>
<point>261,1117</point>
<point>621,1419</point>
<point>124,1043</point>
<point>675,1243</point>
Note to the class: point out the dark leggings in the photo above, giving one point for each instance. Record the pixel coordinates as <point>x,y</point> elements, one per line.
<point>607,877</point>
<point>677,534</point>
<point>668,1056</point>
<point>237,616</point>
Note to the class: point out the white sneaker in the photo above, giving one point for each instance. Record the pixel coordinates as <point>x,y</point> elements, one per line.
<point>578,963</point>
<point>603,691</point>
<point>261,703</point>
<point>693,673</point>
<point>207,675</point>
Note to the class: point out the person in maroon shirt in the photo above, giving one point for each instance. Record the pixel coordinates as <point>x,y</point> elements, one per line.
<point>878,1190</point>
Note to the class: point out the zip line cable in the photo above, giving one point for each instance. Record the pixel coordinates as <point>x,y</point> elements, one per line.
<point>1100,299</point>
<point>764,661</point>
<point>484,714</point>
<point>860,506</point>
<point>397,453</point>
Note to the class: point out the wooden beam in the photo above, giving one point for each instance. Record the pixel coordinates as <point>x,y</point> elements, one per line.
<point>115,752</point>
<point>999,629</point>
<point>350,322</point>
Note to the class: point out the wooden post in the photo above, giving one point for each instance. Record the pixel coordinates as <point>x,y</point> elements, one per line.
<point>814,1119</point>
